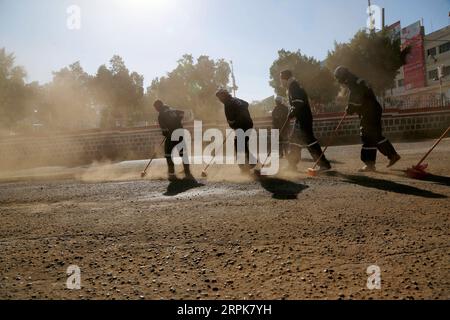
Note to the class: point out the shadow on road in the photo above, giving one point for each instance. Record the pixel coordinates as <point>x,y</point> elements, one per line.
<point>386,185</point>
<point>281,189</point>
<point>442,180</point>
<point>445,181</point>
<point>181,185</point>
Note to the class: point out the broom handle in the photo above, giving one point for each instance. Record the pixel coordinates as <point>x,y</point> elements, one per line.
<point>154,155</point>
<point>210,161</point>
<point>331,140</point>
<point>288,120</point>
<point>434,146</point>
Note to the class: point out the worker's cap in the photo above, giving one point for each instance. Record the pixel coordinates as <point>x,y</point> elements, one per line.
<point>279,99</point>
<point>158,103</point>
<point>341,73</point>
<point>222,93</point>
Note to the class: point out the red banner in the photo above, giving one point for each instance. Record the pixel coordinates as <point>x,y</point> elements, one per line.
<point>414,69</point>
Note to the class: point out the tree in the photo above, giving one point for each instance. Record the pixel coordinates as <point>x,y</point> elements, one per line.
<point>192,85</point>
<point>69,98</point>
<point>373,56</point>
<point>262,108</point>
<point>119,93</point>
<point>13,92</point>
<point>317,80</point>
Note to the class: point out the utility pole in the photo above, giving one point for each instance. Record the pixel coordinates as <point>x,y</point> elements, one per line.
<point>234,88</point>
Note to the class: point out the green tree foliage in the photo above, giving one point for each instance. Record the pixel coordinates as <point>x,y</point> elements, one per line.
<point>13,91</point>
<point>192,85</point>
<point>317,80</point>
<point>120,94</point>
<point>262,108</point>
<point>373,56</point>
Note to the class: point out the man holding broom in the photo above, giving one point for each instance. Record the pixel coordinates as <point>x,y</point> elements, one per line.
<point>280,115</point>
<point>302,136</point>
<point>363,102</point>
<point>238,117</point>
<point>170,120</point>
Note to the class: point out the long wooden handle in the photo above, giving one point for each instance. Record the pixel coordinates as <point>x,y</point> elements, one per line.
<point>154,155</point>
<point>288,120</point>
<point>331,140</point>
<point>434,146</point>
<point>210,161</point>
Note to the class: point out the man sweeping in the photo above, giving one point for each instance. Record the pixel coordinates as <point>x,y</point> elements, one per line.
<point>364,103</point>
<point>302,136</point>
<point>238,117</point>
<point>280,121</point>
<point>169,120</point>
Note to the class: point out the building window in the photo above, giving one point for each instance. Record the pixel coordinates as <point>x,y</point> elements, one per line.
<point>431,52</point>
<point>444,47</point>
<point>400,83</point>
<point>433,74</point>
<point>446,71</point>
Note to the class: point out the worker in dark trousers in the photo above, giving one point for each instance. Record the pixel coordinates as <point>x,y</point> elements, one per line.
<point>238,117</point>
<point>302,136</point>
<point>280,121</point>
<point>363,102</point>
<point>169,120</point>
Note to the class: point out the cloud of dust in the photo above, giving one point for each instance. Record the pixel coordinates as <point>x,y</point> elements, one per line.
<point>101,171</point>
<point>109,171</point>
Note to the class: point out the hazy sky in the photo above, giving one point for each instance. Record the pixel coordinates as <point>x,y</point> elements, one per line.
<point>151,35</point>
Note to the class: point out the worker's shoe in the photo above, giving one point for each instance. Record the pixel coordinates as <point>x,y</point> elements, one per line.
<point>187,172</point>
<point>257,172</point>
<point>393,160</point>
<point>368,168</point>
<point>189,176</point>
<point>324,167</point>
<point>172,177</point>
<point>246,168</point>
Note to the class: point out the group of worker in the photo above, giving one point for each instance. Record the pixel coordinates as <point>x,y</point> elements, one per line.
<point>362,101</point>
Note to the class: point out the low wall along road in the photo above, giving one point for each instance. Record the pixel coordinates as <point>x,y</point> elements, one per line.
<point>85,147</point>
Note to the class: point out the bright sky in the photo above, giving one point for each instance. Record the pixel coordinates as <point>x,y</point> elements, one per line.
<point>151,35</point>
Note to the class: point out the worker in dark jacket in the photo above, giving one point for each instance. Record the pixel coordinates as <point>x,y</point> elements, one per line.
<point>280,121</point>
<point>302,136</point>
<point>363,102</point>
<point>170,120</point>
<point>238,117</point>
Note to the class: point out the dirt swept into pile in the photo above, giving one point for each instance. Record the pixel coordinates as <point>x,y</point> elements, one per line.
<point>228,236</point>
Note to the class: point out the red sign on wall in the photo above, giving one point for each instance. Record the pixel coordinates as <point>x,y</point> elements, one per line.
<point>414,69</point>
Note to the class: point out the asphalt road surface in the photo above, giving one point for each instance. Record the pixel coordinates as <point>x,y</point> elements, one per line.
<point>228,236</point>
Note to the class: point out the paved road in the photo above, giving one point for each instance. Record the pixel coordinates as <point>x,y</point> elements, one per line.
<point>290,236</point>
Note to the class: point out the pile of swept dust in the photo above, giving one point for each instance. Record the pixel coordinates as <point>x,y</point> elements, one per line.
<point>131,170</point>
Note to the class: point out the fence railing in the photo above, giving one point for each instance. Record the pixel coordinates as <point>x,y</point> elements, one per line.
<point>404,103</point>
<point>397,103</point>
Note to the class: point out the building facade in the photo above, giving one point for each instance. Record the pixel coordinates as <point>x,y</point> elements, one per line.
<point>432,87</point>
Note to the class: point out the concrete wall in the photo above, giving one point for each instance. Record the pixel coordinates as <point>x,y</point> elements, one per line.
<point>139,143</point>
